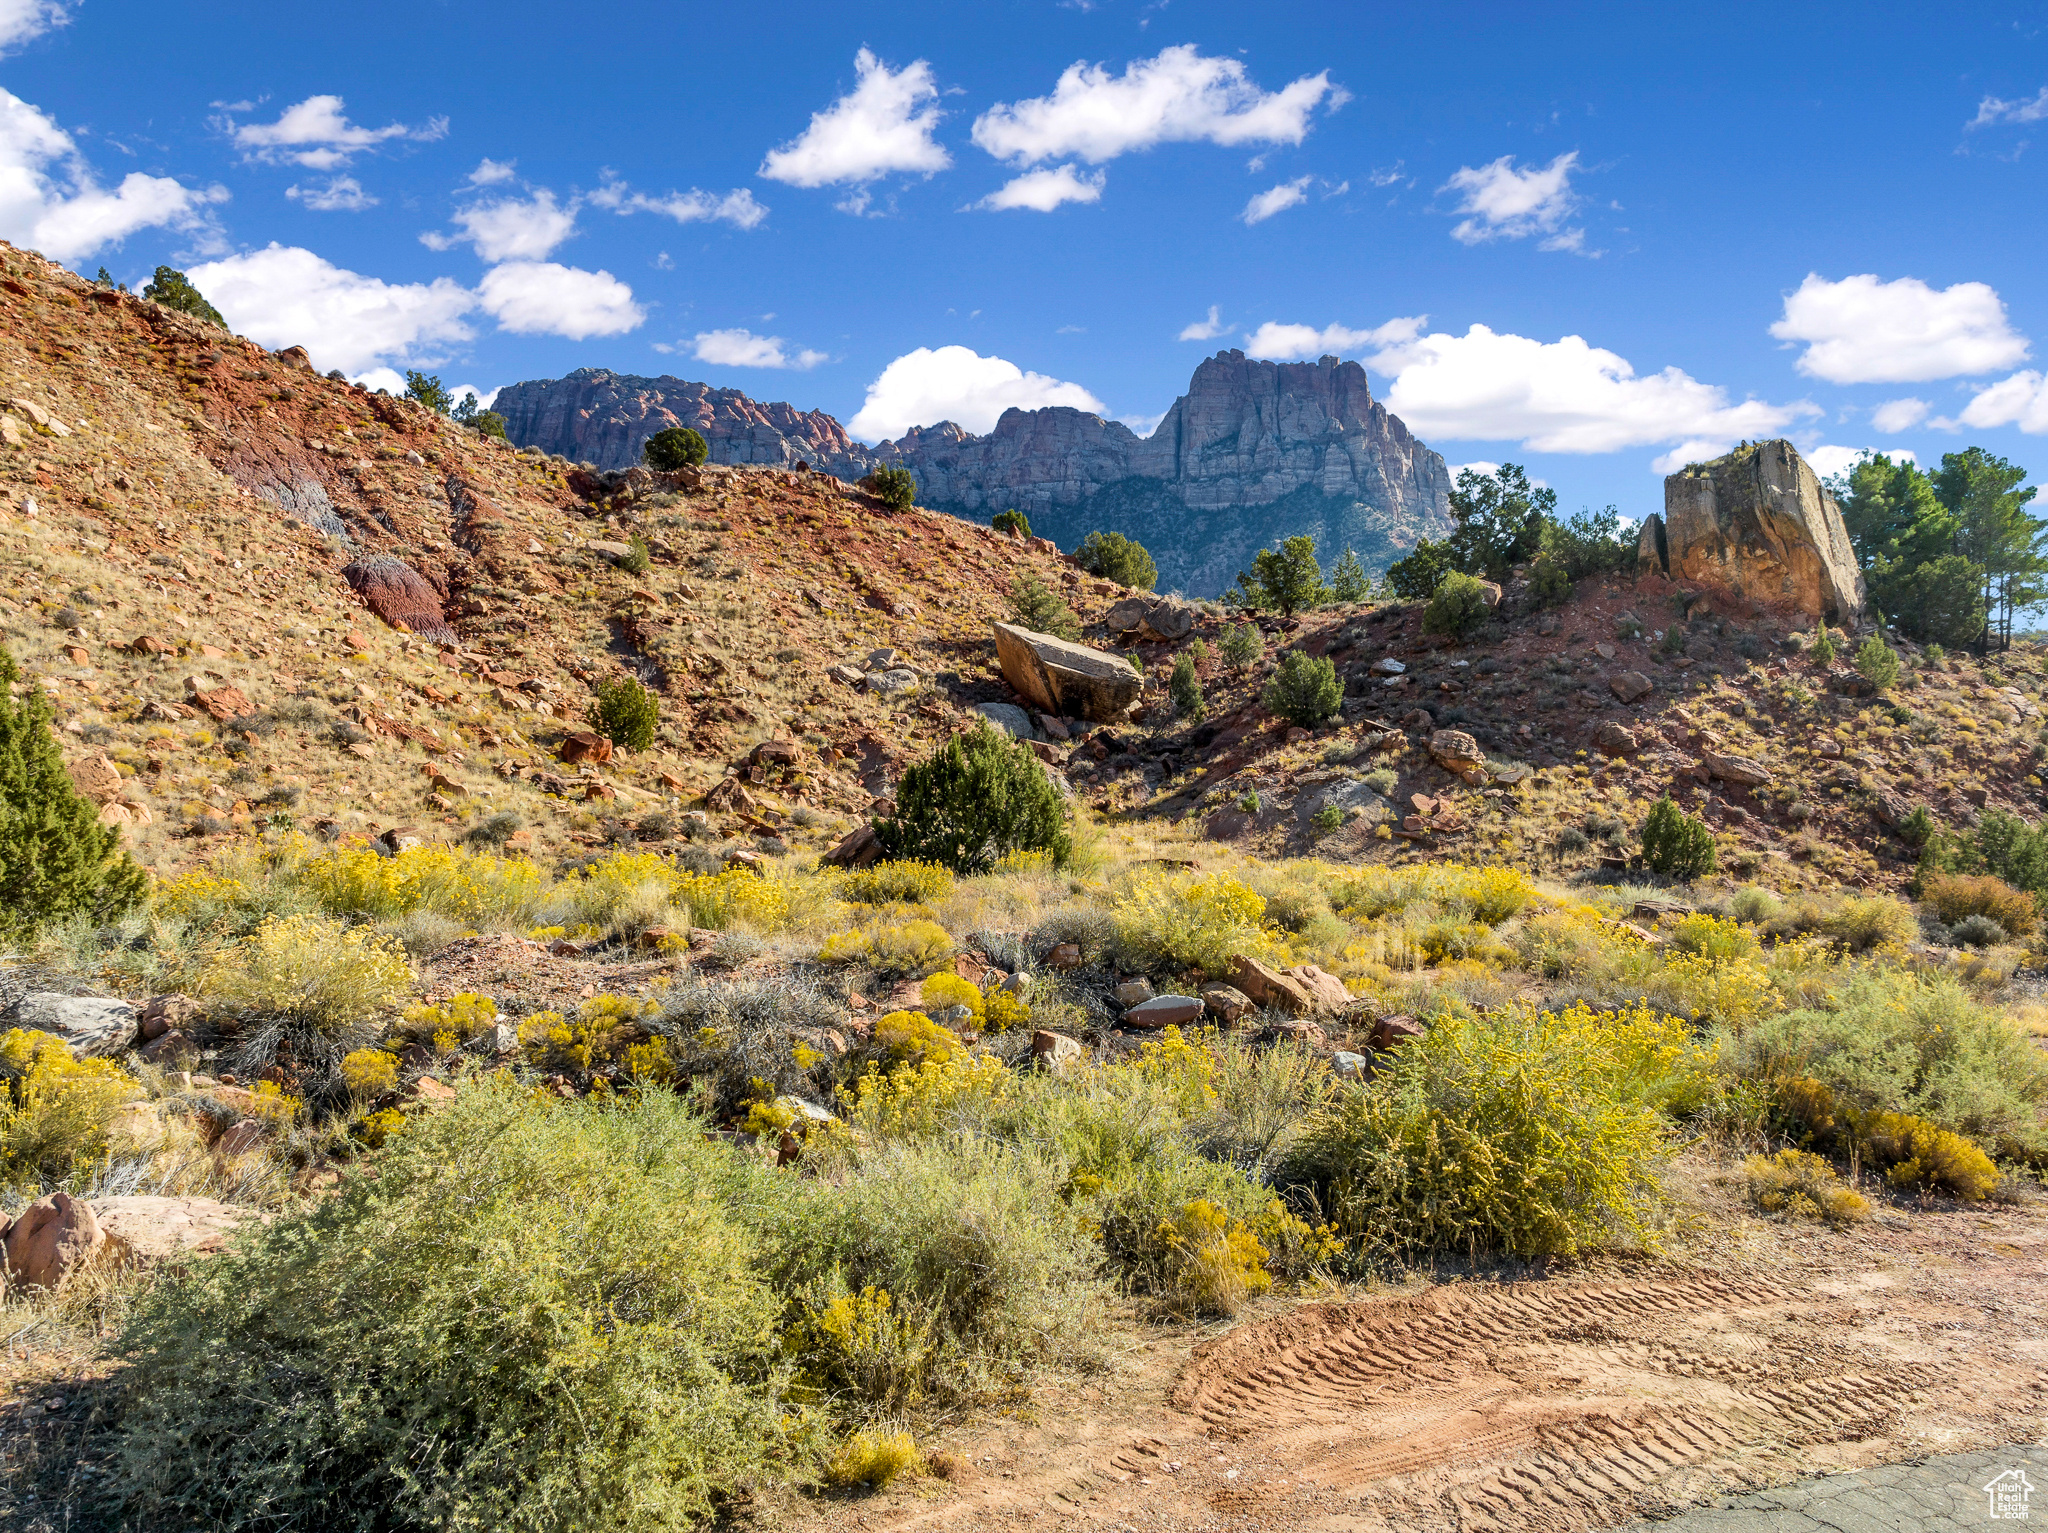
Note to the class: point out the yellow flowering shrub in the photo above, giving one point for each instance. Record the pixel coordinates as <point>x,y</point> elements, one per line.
<point>915,947</point>
<point>1705,936</point>
<point>1200,920</point>
<point>914,1036</point>
<point>375,1129</point>
<point>1567,941</point>
<point>1487,895</point>
<point>1002,1011</point>
<point>369,1072</point>
<point>272,1103</point>
<point>1187,1069</point>
<point>1734,992</point>
<point>604,1029</point>
<point>734,897</point>
<point>55,1109</point>
<point>873,1458</point>
<point>1214,1262</point>
<point>845,947</point>
<point>924,1099</point>
<point>1915,1153</point>
<point>475,887</point>
<point>199,893</point>
<point>310,969</point>
<point>459,1017</point>
<point>1795,1182</point>
<point>909,882</point>
<point>943,991</point>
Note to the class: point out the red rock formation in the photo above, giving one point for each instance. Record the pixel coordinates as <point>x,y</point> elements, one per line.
<point>400,595</point>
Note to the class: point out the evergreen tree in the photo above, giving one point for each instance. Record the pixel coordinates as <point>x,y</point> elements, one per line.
<point>56,859</point>
<point>1113,556</point>
<point>676,448</point>
<point>1501,517</point>
<point>1416,577</point>
<point>979,798</point>
<point>429,391</point>
<point>1186,689</point>
<point>1287,578</point>
<point>1995,531</point>
<point>1348,581</point>
<point>1906,541</point>
<point>170,288</point>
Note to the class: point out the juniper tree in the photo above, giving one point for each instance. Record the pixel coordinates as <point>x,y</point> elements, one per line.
<point>56,859</point>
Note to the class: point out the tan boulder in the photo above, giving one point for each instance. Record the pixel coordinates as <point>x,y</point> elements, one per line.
<point>1629,685</point>
<point>1760,522</point>
<point>1740,770</point>
<point>1054,1051</point>
<point>1457,752</point>
<point>143,1231</point>
<point>580,746</point>
<point>1301,991</point>
<point>1063,678</point>
<point>97,778</point>
<point>50,1239</point>
<point>1226,1003</point>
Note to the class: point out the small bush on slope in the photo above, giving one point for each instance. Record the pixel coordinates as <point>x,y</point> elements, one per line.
<point>980,797</point>
<point>536,1316</point>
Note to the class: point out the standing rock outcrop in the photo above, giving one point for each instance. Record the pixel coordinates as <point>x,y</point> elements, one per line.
<point>1064,679</point>
<point>400,595</point>
<point>1760,522</point>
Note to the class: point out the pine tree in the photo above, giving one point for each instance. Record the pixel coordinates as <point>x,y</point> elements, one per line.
<point>980,797</point>
<point>1186,689</point>
<point>171,288</point>
<point>1348,581</point>
<point>56,859</point>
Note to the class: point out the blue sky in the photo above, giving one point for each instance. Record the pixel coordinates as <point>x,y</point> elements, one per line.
<point>1593,239</point>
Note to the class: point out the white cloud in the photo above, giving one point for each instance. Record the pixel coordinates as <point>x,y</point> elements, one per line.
<point>1828,461</point>
<point>510,228</point>
<point>1285,343</point>
<point>543,298</point>
<point>1204,329</point>
<point>2027,109</point>
<point>1899,414</point>
<point>1178,97</point>
<point>926,386</point>
<point>1477,466</point>
<point>1045,189</point>
<point>387,379</point>
<point>51,201</point>
<point>2021,400</point>
<point>1143,425</point>
<point>482,397</point>
<point>318,135</point>
<point>1558,396</point>
<point>1861,330</point>
<point>881,127</point>
<point>743,348</point>
<point>490,172</point>
<point>1697,450</point>
<point>1501,202</point>
<point>1278,199</point>
<point>341,194</point>
<point>21,20</point>
<point>736,207</point>
<point>287,296</point>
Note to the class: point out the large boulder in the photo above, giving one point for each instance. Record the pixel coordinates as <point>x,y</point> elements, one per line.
<point>51,1239</point>
<point>1152,617</point>
<point>1301,991</point>
<point>1759,522</point>
<point>400,595</point>
<point>144,1230</point>
<point>90,1024</point>
<point>1065,679</point>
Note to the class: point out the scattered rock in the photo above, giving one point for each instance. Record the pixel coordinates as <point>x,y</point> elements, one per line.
<point>161,1013</point>
<point>892,683</point>
<point>1614,739</point>
<point>581,746</point>
<point>1009,718</point>
<point>1054,1051</point>
<point>1226,1003</point>
<point>432,1092</point>
<point>1067,955</point>
<point>1458,753</point>
<point>1388,1031</point>
<point>1159,618</point>
<point>50,1239</point>
<point>1346,1065</point>
<point>859,847</point>
<point>167,1046</point>
<point>847,674</point>
<point>1132,993</point>
<point>1301,991</point>
<point>1629,685</point>
<point>1419,720</point>
<point>242,1137</point>
<point>96,778</point>
<point>146,1231</point>
<point>1759,521</point>
<point>1305,1034</point>
<point>1739,770</point>
<point>150,644</point>
<point>1164,1011</point>
<point>89,1024</point>
<point>1059,677</point>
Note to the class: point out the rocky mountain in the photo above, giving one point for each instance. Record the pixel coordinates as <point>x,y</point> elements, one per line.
<point>1253,452</point>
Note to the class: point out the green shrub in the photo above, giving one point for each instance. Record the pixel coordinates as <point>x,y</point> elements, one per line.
<point>429,391</point>
<point>1327,819</point>
<point>1954,896</point>
<point>1036,606</point>
<point>1011,521</point>
<point>56,859</point>
<point>979,798</point>
<point>638,558</point>
<point>1284,579</point>
<point>1863,922</point>
<point>1383,781</point>
<point>1877,664</point>
<point>1533,1134</point>
<point>1977,931</point>
<point>1822,650</point>
<point>625,713</point>
<point>1186,689</point>
<point>537,1315</point>
<point>1917,828</point>
<point>309,970</point>
<point>2001,844</point>
<point>1113,556</point>
<point>1303,689</point>
<point>1754,905</point>
<point>171,288</point>
<point>1241,644</point>
<point>1675,843</point>
<point>1550,583</point>
<point>894,486</point>
<point>678,447</point>
<point>1458,608</point>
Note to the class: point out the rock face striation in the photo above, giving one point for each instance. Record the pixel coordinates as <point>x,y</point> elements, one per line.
<point>601,417</point>
<point>1253,452</point>
<point>1760,522</point>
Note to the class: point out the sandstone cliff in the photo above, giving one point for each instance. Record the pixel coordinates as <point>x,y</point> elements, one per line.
<point>1253,452</point>
<point>1760,522</point>
<point>601,417</point>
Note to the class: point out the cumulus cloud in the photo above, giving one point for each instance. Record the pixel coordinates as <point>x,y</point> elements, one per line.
<point>543,298</point>
<point>21,20</point>
<point>341,194</point>
<point>1501,202</point>
<point>1278,199</point>
<point>1899,414</point>
<point>736,207</point>
<point>926,386</point>
<point>1991,110</point>
<point>509,228</point>
<point>1177,97</point>
<point>490,172</point>
<point>1043,190</point>
<point>1204,329</point>
<point>51,201</point>
<point>2021,400</point>
<point>1828,461</point>
<point>1861,330</point>
<point>882,127</point>
<point>386,380</point>
<point>743,348</point>
<point>1287,343</point>
<point>287,296</point>
<point>1559,396</point>
<point>317,134</point>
